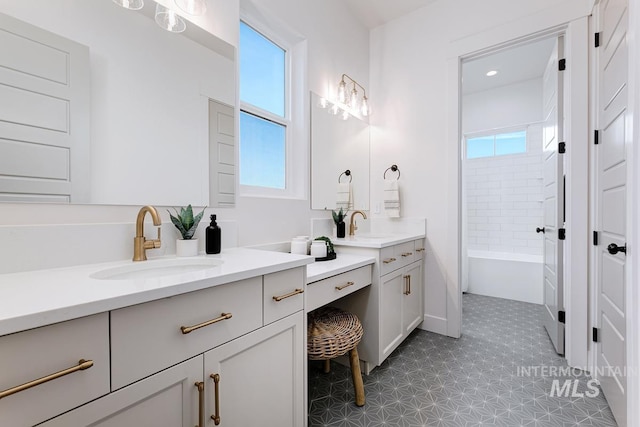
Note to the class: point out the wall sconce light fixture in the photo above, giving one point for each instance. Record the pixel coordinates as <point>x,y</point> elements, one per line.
<point>169,20</point>
<point>351,98</point>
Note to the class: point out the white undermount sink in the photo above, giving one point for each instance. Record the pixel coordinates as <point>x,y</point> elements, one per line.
<point>153,269</point>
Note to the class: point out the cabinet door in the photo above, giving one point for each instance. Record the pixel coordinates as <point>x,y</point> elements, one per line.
<point>259,377</point>
<point>167,399</point>
<point>392,287</point>
<point>412,312</point>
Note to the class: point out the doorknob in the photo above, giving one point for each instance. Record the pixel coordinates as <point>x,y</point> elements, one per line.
<point>614,249</point>
<point>540,230</point>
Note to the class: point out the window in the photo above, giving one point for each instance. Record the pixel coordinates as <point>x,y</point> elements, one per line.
<point>497,144</point>
<point>264,119</point>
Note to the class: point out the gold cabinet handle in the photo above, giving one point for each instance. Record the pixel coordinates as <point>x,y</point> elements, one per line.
<point>420,250</point>
<point>339,288</point>
<point>200,387</point>
<point>409,280</point>
<point>290,294</point>
<point>81,366</point>
<point>388,260</point>
<point>187,329</point>
<point>216,392</point>
<point>406,284</point>
<point>406,254</point>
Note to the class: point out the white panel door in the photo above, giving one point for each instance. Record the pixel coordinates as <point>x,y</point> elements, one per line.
<point>611,204</point>
<point>222,155</point>
<point>44,115</point>
<point>553,202</point>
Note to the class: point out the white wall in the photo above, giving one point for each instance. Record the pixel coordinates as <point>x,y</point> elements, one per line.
<point>412,59</point>
<point>510,105</point>
<point>337,43</point>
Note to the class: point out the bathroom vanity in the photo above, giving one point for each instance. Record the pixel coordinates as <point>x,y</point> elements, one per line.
<point>392,307</point>
<point>90,345</point>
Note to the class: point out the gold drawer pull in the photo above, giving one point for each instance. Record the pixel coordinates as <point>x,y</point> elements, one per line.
<point>420,250</point>
<point>81,366</point>
<point>290,294</point>
<point>200,387</point>
<point>407,285</point>
<point>216,393</point>
<point>339,288</point>
<point>388,260</point>
<point>409,292</point>
<point>187,329</point>
<point>406,254</point>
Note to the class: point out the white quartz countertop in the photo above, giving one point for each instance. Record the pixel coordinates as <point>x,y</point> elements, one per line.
<point>37,298</point>
<point>344,262</point>
<point>377,240</point>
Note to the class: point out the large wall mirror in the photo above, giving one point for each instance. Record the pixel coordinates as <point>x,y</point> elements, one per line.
<point>338,144</point>
<point>147,113</point>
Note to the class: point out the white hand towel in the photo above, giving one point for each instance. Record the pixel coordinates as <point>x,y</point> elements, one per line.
<point>391,198</point>
<point>344,196</point>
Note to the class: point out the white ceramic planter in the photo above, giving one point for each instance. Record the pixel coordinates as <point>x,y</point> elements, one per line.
<point>186,247</point>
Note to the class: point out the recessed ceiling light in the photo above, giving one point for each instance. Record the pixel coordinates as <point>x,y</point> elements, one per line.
<point>491,73</point>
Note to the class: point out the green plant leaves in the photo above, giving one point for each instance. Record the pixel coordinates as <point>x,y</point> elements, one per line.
<point>339,216</point>
<point>185,222</point>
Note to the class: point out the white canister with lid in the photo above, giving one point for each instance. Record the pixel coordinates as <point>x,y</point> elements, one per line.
<point>299,246</point>
<point>319,249</point>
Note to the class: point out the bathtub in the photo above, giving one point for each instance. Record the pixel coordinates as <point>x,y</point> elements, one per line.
<point>505,275</point>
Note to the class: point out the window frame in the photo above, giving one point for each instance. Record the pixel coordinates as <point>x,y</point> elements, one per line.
<point>494,133</point>
<point>295,60</point>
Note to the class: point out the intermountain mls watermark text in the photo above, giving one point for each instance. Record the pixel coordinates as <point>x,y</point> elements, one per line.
<point>561,386</point>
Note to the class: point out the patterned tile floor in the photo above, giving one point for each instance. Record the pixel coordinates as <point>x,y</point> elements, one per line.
<point>477,380</point>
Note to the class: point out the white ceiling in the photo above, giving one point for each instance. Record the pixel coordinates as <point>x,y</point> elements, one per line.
<point>514,65</point>
<point>373,13</point>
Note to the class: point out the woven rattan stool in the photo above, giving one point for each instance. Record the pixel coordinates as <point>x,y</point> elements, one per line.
<point>332,332</point>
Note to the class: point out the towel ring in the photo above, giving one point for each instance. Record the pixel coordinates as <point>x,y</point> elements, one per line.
<point>347,173</point>
<point>394,168</point>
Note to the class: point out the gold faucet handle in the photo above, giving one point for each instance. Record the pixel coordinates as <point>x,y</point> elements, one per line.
<point>153,244</point>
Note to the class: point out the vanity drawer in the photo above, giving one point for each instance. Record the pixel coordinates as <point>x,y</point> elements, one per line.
<point>332,288</point>
<point>388,260</point>
<point>149,337</point>
<point>37,353</point>
<point>406,253</point>
<point>283,294</point>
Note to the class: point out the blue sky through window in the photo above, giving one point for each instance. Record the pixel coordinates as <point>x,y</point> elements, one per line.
<point>497,145</point>
<point>262,152</point>
<point>262,71</point>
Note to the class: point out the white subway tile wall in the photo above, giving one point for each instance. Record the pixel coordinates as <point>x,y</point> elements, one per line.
<point>504,199</point>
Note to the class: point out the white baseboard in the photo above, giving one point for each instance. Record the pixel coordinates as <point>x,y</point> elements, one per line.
<point>434,324</point>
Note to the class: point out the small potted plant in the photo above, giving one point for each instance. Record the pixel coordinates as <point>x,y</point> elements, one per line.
<point>186,224</point>
<point>338,218</point>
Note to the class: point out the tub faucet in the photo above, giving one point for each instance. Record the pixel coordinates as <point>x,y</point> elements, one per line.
<point>352,224</point>
<point>140,243</point>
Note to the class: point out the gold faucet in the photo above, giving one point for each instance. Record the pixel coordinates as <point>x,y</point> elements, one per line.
<point>140,244</point>
<point>352,223</point>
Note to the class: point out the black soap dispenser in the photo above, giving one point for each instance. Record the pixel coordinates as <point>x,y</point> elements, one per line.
<point>213,237</point>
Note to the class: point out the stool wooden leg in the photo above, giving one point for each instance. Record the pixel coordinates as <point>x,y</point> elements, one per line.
<point>356,375</point>
<point>327,366</point>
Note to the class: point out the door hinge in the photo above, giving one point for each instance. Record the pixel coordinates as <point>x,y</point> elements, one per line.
<point>562,64</point>
<point>562,147</point>
<point>596,137</point>
<point>561,315</point>
<point>562,234</point>
<point>595,238</point>
<point>594,335</point>
<point>597,39</point>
